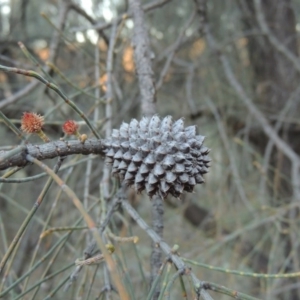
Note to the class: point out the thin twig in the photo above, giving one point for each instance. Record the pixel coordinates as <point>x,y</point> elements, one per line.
<point>83,13</point>
<point>267,128</point>
<point>102,26</point>
<point>58,245</point>
<point>10,125</point>
<point>90,249</point>
<point>277,44</point>
<point>164,247</point>
<point>174,48</point>
<point>90,223</point>
<point>19,95</point>
<point>242,273</point>
<point>40,175</point>
<point>56,89</point>
<point>226,291</point>
<point>53,51</point>
<point>293,99</point>
<point>28,218</point>
<point>167,292</point>
<point>105,182</point>
<point>234,168</point>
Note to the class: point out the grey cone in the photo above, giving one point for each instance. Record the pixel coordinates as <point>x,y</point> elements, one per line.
<point>159,156</point>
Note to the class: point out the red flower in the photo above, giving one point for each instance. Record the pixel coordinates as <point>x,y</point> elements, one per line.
<point>32,122</point>
<point>70,127</point>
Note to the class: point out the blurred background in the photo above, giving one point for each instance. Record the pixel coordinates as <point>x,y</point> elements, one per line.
<point>233,71</point>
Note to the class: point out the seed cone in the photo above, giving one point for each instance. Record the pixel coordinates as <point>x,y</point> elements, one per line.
<point>159,156</point>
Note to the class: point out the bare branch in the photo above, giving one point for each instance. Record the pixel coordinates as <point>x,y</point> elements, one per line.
<point>102,26</point>
<point>51,150</point>
<point>142,55</point>
<point>173,49</point>
<point>233,166</point>
<point>267,128</point>
<point>201,11</point>
<point>105,182</point>
<point>165,248</point>
<point>226,291</point>
<point>277,44</point>
<point>53,54</point>
<point>19,95</point>
<point>83,13</point>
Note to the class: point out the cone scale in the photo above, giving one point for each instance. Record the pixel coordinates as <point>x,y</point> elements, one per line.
<point>157,155</point>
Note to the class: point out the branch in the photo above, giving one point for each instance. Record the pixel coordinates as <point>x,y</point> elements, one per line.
<point>178,262</point>
<point>277,44</point>
<point>226,291</point>
<point>54,45</point>
<point>83,13</point>
<point>202,14</point>
<point>200,286</point>
<point>105,182</point>
<point>175,47</point>
<point>28,218</point>
<point>258,115</point>
<point>232,159</point>
<point>90,223</point>
<point>145,74</point>
<point>105,25</point>
<point>142,54</point>
<point>19,94</point>
<point>50,150</point>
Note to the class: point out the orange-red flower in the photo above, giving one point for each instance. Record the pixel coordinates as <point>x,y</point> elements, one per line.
<point>70,127</point>
<point>32,122</point>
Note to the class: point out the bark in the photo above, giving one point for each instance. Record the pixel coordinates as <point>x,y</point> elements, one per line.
<point>49,151</point>
<point>142,57</point>
<point>142,54</point>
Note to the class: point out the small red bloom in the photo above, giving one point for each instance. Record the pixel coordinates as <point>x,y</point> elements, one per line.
<point>32,122</point>
<point>70,127</point>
